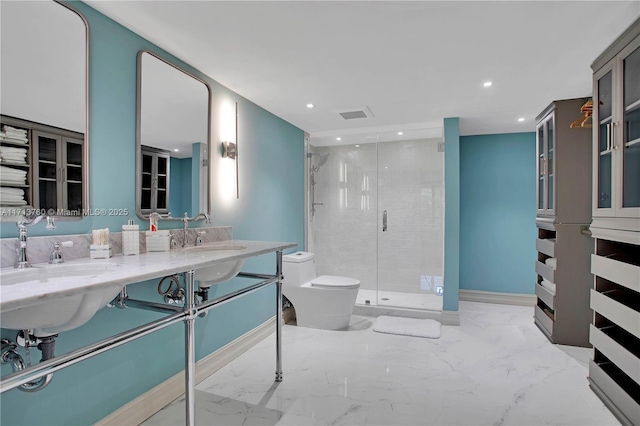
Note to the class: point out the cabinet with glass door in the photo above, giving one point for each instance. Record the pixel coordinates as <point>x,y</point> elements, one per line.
<point>154,181</point>
<point>57,174</point>
<point>563,164</point>
<point>614,373</point>
<point>563,211</point>
<point>545,145</point>
<point>616,149</point>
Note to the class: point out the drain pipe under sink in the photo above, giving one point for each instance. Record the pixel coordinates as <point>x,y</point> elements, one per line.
<point>11,356</point>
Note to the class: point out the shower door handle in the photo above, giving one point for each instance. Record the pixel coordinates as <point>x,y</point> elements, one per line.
<point>384,221</point>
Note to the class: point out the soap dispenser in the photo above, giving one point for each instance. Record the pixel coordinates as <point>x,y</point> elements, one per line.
<point>130,238</point>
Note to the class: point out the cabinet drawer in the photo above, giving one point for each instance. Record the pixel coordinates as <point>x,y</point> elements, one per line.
<point>545,271</point>
<point>545,295</point>
<point>618,354</point>
<point>545,246</point>
<point>622,315</point>
<point>622,273</point>
<point>614,396</point>
<point>543,320</point>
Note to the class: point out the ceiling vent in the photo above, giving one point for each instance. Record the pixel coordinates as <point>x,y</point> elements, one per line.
<point>353,113</point>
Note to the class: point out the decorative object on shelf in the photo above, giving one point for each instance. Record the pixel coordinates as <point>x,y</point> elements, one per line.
<point>586,119</point>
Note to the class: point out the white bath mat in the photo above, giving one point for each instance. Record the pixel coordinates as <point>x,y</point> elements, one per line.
<point>407,326</point>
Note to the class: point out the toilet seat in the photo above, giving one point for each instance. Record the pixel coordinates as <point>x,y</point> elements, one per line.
<point>332,281</point>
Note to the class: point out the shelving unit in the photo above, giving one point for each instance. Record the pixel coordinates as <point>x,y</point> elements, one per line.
<point>9,208</point>
<point>614,371</point>
<point>563,202</point>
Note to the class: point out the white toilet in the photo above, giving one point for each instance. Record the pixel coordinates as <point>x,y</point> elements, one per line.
<point>324,302</point>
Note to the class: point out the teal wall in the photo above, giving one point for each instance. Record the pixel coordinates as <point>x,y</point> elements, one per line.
<point>181,187</point>
<point>497,212</point>
<point>451,213</point>
<point>270,207</point>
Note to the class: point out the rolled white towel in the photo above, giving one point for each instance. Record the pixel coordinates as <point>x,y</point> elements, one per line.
<point>10,172</point>
<point>548,285</point>
<point>11,191</point>
<point>12,203</point>
<point>11,129</point>
<point>11,160</point>
<point>7,180</point>
<point>551,262</point>
<point>12,155</point>
<point>12,150</point>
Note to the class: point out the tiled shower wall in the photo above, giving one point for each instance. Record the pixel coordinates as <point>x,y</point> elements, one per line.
<point>355,187</point>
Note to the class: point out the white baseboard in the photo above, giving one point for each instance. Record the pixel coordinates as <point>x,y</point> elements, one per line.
<point>499,298</point>
<point>152,401</point>
<point>450,318</point>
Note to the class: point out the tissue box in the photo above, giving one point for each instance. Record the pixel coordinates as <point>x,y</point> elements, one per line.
<point>100,251</point>
<point>158,241</point>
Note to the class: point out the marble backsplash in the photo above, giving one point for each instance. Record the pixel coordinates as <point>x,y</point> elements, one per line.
<point>39,248</point>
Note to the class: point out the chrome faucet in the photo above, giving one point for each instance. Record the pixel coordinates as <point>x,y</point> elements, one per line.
<point>56,255</point>
<point>185,221</point>
<point>23,261</point>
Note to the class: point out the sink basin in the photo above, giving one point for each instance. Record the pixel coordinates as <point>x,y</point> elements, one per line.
<point>61,314</point>
<point>221,271</point>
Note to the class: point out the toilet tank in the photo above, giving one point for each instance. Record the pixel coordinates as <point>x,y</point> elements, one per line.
<point>298,268</point>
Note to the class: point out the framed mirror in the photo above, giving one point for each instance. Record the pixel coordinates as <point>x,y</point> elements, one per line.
<point>44,147</point>
<point>173,135</point>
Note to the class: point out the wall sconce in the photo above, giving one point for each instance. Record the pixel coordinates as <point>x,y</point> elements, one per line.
<point>229,150</point>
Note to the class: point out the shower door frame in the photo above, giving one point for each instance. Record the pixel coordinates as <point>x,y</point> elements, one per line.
<point>379,207</point>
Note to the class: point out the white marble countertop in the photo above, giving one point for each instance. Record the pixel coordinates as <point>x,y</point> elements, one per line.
<point>124,270</point>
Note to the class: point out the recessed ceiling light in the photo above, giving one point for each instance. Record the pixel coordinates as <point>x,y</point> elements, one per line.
<point>176,149</point>
<point>400,133</point>
<point>521,119</point>
<point>310,105</point>
<point>357,146</point>
<point>487,84</point>
<point>338,138</point>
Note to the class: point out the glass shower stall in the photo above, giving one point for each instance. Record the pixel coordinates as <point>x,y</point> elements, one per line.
<point>376,213</point>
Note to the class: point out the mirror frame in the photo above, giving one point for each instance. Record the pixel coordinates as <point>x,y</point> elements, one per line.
<point>86,158</point>
<point>139,133</point>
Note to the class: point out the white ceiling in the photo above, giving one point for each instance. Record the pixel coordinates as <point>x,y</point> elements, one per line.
<point>412,63</point>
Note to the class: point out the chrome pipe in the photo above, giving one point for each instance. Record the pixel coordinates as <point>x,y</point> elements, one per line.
<point>252,275</point>
<point>224,299</point>
<point>190,349</point>
<point>52,365</point>
<point>150,306</point>
<point>279,317</point>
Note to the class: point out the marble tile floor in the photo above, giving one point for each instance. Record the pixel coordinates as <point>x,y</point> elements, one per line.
<point>496,368</point>
<point>428,301</point>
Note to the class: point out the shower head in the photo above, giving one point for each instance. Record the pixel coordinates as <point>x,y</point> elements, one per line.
<point>321,161</point>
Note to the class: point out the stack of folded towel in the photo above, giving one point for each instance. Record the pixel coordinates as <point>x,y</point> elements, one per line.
<point>12,134</point>
<point>548,285</point>
<point>11,176</point>
<point>13,155</point>
<point>12,197</point>
<point>551,263</point>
